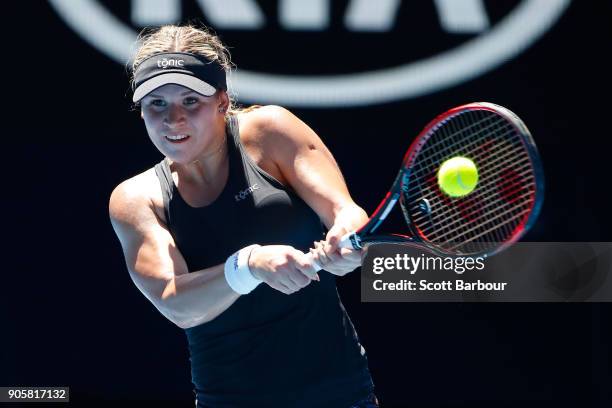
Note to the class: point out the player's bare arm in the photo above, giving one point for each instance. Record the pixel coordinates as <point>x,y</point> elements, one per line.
<point>155,264</point>
<point>306,165</point>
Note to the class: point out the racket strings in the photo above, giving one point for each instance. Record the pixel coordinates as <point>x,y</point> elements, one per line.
<point>486,184</point>
<point>486,221</point>
<point>415,177</point>
<point>429,166</point>
<point>432,183</point>
<point>455,143</point>
<point>492,214</point>
<point>461,129</point>
<point>503,198</point>
<point>482,174</point>
<point>522,175</point>
<point>448,212</point>
<point>463,243</point>
<point>495,214</point>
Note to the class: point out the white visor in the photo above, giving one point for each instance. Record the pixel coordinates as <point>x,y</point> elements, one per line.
<point>189,81</point>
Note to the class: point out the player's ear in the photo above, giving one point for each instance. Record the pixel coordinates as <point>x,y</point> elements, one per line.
<point>223,101</point>
<point>141,115</point>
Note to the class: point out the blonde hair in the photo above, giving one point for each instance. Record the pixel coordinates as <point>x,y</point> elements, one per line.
<point>186,38</point>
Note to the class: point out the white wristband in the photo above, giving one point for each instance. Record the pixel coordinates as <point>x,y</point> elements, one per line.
<point>237,272</point>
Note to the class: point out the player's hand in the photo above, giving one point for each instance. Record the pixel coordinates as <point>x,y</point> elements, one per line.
<point>333,259</point>
<point>282,267</point>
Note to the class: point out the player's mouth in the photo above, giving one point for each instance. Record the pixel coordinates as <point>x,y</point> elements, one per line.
<point>177,138</point>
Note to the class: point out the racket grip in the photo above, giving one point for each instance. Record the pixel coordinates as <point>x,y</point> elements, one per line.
<point>347,241</point>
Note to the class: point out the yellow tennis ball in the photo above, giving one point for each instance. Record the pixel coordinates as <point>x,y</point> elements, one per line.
<point>458,176</point>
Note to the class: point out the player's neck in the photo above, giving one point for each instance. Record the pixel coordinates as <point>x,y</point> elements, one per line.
<point>209,166</point>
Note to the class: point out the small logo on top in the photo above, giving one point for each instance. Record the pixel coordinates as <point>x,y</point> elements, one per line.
<point>246,192</point>
<point>169,62</point>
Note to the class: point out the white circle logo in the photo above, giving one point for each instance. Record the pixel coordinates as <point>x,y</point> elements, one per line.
<point>493,46</point>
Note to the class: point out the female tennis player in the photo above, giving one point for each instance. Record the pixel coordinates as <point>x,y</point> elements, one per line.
<point>214,235</point>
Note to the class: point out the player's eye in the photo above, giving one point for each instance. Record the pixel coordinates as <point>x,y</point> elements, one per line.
<point>190,100</point>
<point>157,102</point>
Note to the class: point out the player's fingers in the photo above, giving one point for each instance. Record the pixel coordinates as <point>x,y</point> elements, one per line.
<point>284,281</point>
<point>299,279</point>
<point>350,254</point>
<point>288,276</point>
<point>330,251</point>
<point>285,287</point>
<point>279,286</point>
<point>333,256</point>
<point>319,253</point>
<point>332,262</point>
<point>318,257</point>
<point>333,237</point>
<point>306,265</point>
<point>324,252</point>
<point>293,272</point>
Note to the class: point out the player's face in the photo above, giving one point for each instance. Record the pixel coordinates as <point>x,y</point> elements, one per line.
<point>183,124</point>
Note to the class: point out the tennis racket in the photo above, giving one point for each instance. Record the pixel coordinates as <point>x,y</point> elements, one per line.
<point>502,207</point>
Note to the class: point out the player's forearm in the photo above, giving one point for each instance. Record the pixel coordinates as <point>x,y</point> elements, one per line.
<point>197,297</point>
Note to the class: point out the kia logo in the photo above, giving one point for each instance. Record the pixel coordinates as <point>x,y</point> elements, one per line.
<point>488,47</point>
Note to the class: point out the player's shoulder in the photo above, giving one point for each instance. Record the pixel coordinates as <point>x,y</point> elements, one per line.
<point>266,119</point>
<point>138,195</point>
<point>267,122</point>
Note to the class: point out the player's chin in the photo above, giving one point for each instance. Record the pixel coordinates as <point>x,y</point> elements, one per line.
<point>179,156</point>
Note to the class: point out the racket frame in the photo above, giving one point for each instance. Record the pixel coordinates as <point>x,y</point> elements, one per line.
<point>365,235</point>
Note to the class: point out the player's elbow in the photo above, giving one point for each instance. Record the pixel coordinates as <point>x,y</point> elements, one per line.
<point>169,313</point>
<point>183,320</point>
<point>169,304</point>
<point>163,298</point>
<point>183,324</point>
<point>190,323</point>
<point>175,306</point>
<point>168,307</point>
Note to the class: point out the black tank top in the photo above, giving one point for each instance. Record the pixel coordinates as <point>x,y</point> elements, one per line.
<point>267,349</point>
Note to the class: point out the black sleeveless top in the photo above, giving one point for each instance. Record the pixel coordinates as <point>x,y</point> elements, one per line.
<point>267,349</point>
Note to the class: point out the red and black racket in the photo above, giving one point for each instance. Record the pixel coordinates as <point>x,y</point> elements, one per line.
<point>501,208</point>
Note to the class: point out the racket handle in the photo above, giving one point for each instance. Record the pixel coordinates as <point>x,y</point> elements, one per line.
<point>348,240</point>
